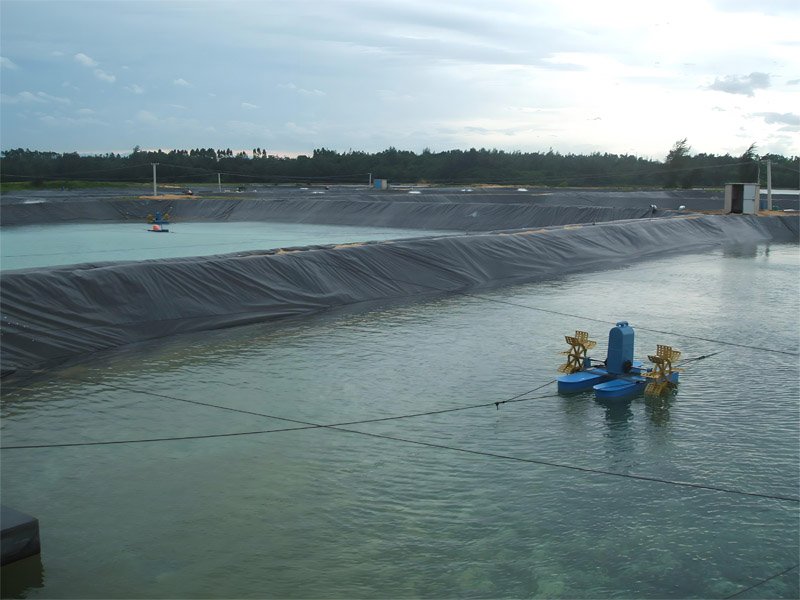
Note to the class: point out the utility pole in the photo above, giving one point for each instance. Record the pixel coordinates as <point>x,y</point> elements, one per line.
<point>219,182</point>
<point>155,190</point>
<point>370,180</point>
<point>769,185</point>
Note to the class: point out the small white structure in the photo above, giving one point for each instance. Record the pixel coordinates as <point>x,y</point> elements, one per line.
<point>381,184</point>
<point>743,198</point>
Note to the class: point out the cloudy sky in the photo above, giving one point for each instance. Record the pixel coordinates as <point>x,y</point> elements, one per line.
<point>294,75</point>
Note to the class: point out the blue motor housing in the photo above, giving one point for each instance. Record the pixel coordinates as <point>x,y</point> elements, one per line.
<point>620,349</point>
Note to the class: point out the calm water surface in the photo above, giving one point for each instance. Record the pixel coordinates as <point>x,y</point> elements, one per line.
<point>333,513</point>
<point>62,244</point>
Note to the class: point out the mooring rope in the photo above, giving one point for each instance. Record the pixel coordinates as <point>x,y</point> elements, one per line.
<point>306,425</point>
<point>762,582</point>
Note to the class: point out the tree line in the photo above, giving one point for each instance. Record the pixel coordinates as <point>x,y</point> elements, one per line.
<point>680,168</point>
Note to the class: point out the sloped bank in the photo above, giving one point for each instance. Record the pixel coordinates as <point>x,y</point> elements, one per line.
<point>428,214</point>
<point>56,313</point>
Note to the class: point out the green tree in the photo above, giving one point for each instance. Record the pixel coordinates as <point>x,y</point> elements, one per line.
<point>748,167</point>
<point>676,161</point>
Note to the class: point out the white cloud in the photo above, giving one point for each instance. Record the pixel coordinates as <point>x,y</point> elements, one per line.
<point>86,61</point>
<point>774,6</point>
<point>85,111</point>
<point>298,129</point>
<point>171,125</point>
<point>7,63</point>
<point>394,96</point>
<point>63,121</point>
<point>103,76</point>
<point>741,84</point>
<point>29,97</point>
<point>50,98</point>
<point>22,97</point>
<point>773,117</point>
<point>790,121</point>
<point>513,74</point>
<point>302,91</point>
<point>178,106</point>
<point>247,130</point>
<point>145,116</point>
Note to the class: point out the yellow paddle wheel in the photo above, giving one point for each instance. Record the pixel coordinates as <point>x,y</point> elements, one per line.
<point>663,376</point>
<point>579,344</point>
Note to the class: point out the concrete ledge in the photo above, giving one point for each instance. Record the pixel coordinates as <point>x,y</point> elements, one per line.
<point>19,537</point>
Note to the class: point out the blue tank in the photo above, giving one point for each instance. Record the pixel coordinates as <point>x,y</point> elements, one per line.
<point>620,349</point>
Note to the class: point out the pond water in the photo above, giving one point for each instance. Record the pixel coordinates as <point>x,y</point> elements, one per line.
<point>48,245</point>
<point>532,499</point>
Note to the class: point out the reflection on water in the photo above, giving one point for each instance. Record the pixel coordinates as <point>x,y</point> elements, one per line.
<point>745,250</point>
<point>617,412</point>
<point>21,578</point>
<point>331,513</point>
<point>620,440</point>
<point>658,407</point>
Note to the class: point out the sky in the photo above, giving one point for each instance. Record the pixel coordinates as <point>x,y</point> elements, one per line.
<point>289,76</point>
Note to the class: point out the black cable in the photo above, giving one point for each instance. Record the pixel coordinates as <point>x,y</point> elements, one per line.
<point>510,400</point>
<point>576,468</point>
<point>686,361</point>
<point>722,342</point>
<point>740,592</point>
<point>564,314</point>
<point>681,335</point>
<point>341,427</point>
<point>305,424</point>
<point>431,445</point>
<point>785,168</point>
<point>149,440</point>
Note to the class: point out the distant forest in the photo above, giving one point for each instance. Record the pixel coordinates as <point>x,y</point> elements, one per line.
<point>679,169</point>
